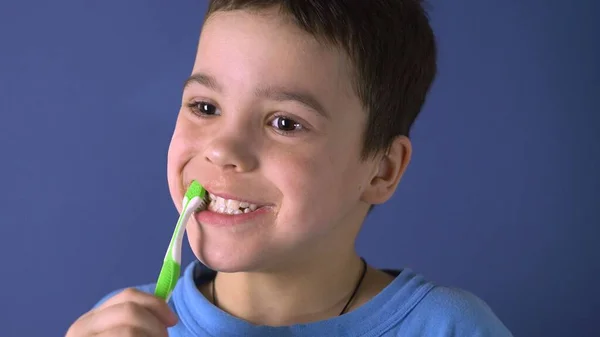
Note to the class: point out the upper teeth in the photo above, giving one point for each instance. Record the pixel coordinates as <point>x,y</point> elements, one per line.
<point>229,206</point>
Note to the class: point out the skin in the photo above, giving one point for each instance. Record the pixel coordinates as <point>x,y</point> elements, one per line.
<point>297,262</point>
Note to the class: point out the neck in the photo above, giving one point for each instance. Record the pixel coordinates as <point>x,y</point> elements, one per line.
<point>313,290</point>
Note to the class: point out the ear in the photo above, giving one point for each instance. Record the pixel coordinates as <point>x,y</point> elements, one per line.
<point>387,172</point>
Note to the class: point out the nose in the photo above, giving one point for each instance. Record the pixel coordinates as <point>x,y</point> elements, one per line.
<point>231,151</point>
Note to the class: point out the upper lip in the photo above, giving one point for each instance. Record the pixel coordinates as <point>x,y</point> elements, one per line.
<point>232,196</point>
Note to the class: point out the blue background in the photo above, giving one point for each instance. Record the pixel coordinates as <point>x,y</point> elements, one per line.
<point>501,198</point>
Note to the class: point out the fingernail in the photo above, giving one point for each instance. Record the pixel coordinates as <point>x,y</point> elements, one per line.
<point>174,317</point>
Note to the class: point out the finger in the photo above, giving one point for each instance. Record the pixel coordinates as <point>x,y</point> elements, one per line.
<point>124,331</point>
<point>157,306</point>
<point>122,316</point>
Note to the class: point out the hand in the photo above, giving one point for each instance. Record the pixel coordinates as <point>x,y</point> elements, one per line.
<point>131,313</point>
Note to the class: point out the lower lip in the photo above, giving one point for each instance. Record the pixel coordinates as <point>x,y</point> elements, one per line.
<point>219,219</point>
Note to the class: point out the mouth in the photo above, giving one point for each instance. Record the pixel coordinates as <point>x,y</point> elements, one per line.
<point>228,205</point>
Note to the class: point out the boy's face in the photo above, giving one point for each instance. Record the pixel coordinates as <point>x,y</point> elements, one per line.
<point>281,127</point>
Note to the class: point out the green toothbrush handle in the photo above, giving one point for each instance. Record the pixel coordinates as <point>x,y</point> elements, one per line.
<point>167,279</point>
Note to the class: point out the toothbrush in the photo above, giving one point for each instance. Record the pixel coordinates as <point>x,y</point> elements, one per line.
<point>170,271</point>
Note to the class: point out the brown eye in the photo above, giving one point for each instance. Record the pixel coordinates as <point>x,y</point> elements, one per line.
<point>203,108</point>
<point>286,124</point>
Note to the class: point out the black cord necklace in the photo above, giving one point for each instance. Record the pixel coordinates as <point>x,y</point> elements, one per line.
<point>360,280</point>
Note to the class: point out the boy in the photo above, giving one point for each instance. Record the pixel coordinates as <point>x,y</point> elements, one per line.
<point>296,120</point>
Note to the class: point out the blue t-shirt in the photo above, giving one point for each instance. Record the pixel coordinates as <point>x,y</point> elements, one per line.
<point>409,306</point>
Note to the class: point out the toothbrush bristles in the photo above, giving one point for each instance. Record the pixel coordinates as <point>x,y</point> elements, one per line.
<point>202,206</point>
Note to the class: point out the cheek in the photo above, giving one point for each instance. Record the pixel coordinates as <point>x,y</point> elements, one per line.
<point>176,157</point>
<point>313,187</point>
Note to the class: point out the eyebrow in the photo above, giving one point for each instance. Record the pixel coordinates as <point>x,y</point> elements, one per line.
<point>203,79</point>
<point>282,94</point>
<point>274,93</point>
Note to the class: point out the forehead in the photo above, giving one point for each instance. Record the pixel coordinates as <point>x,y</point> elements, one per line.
<point>244,49</point>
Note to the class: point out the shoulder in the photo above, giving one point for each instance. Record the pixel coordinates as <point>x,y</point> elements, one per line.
<point>147,288</point>
<point>456,312</point>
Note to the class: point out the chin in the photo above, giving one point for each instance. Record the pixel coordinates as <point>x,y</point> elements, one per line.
<point>227,256</point>
<point>227,263</point>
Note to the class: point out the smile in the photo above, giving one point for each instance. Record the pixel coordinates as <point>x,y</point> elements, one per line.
<point>229,206</point>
